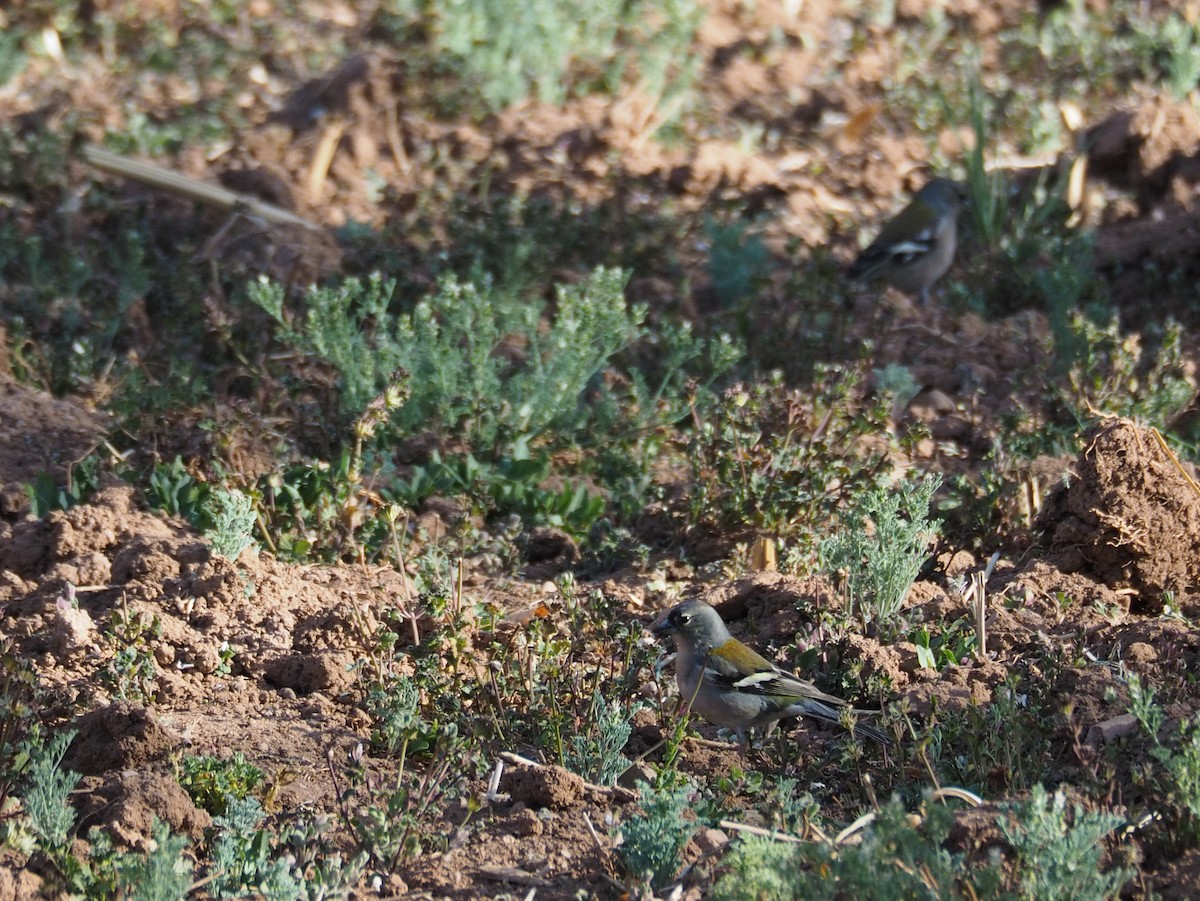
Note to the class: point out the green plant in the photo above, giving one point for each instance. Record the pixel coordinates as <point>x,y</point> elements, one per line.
<point>348,326</point>
<point>225,654</point>
<point>390,811</point>
<point>83,479</point>
<point>18,721</point>
<point>1179,765</point>
<point>737,262</point>
<point>943,647</point>
<point>1169,47</point>
<point>163,873</point>
<point>233,521</point>
<point>976,744</point>
<point>1142,377</point>
<point>1015,226</point>
<point>392,704</point>
<point>131,672</point>
<point>1056,860</point>
<point>560,48</point>
<point>895,858</point>
<point>653,839</point>
<point>44,793</point>
<point>391,818</point>
<point>792,811</point>
<point>323,507</point>
<point>880,546</point>
<point>509,485</point>
<point>171,487</point>
<point>896,382</point>
<point>1021,251</point>
<point>298,862</point>
<point>780,459</point>
<point>304,508</point>
<point>451,343</point>
<point>596,754</point>
<point>214,782</point>
<point>47,822</point>
<point>12,60</point>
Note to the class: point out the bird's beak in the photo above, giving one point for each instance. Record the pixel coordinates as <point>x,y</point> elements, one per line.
<point>662,626</point>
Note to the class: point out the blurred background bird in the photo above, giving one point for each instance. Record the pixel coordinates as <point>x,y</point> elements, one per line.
<point>731,685</point>
<point>915,248</point>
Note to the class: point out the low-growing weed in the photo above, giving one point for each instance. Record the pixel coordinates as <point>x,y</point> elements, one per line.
<point>596,754</point>
<point>392,817</point>
<point>46,825</point>
<point>233,522</point>
<point>214,782</point>
<point>894,859</point>
<point>163,873</point>
<point>976,746</point>
<point>1061,859</point>
<point>552,50</point>
<point>944,647</point>
<point>479,361</point>
<point>896,382</point>
<point>879,547</point>
<point>509,485</point>
<point>652,840</point>
<point>298,861</point>
<point>18,720</point>
<point>1177,774</point>
<point>780,460</point>
<point>737,263</point>
<point>131,672</point>
<point>172,488</point>
<point>1141,377</point>
<point>83,479</point>
<point>901,856</point>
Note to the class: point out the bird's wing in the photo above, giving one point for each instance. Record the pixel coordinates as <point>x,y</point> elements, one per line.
<point>885,251</point>
<point>767,680</point>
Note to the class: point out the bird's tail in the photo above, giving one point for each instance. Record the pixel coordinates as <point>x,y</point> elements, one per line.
<point>820,711</point>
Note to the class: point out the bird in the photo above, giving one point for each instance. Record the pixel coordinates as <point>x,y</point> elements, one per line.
<point>917,246</point>
<point>732,685</point>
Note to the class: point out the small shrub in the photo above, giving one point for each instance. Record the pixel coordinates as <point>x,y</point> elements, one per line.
<point>596,755</point>
<point>391,818</point>
<point>448,345</point>
<point>652,840</point>
<point>1056,860</point>
<point>509,485</point>
<point>1178,772</point>
<point>737,263</point>
<point>172,488</point>
<point>880,546</point>
<point>1127,375</point>
<point>46,792</point>
<point>896,383</point>
<point>46,826</point>
<point>556,49</point>
<point>974,744</point>
<point>83,479</point>
<point>298,862</point>
<point>18,721</point>
<point>895,859</point>
<point>163,873</point>
<point>780,459</point>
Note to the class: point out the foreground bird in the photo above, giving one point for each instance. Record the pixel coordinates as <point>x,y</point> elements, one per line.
<point>730,684</point>
<point>915,248</point>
